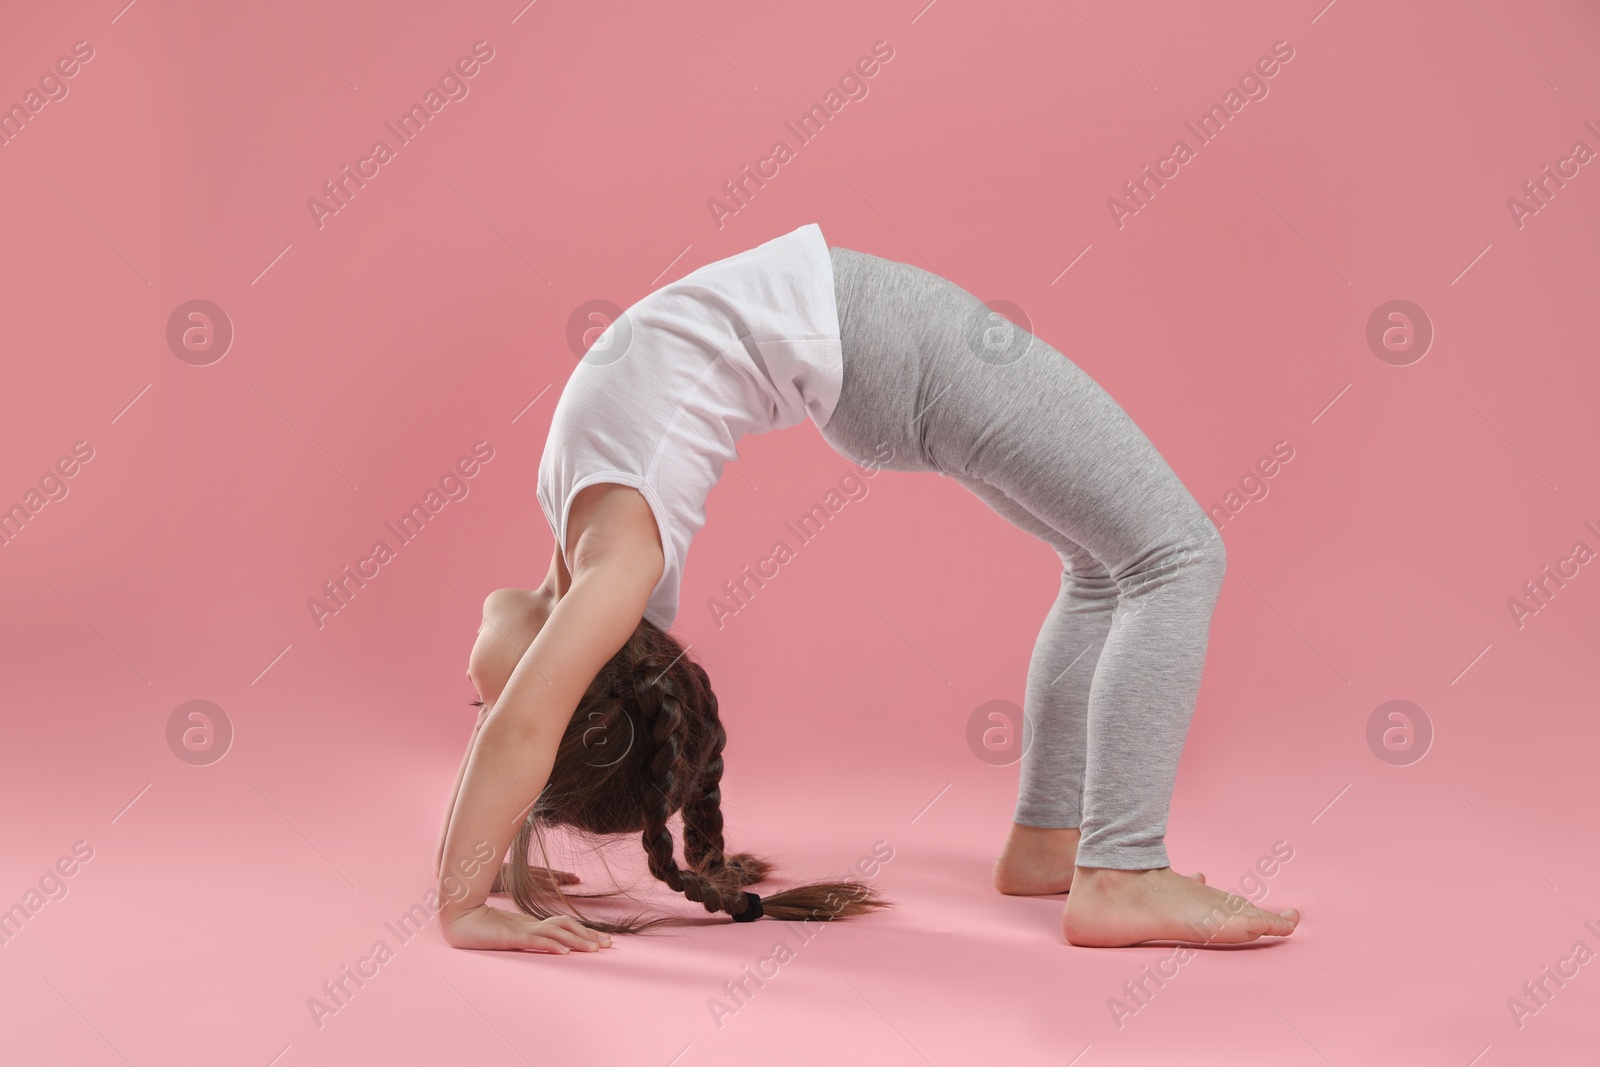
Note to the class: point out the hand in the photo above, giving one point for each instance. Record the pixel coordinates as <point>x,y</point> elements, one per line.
<point>542,875</point>
<point>497,928</point>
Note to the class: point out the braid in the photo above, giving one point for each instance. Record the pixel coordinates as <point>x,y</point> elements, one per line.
<point>702,813</point>
<point>666,737</point>
<point>656,705</point>
<point>708,881</point>
<point>703,845</point>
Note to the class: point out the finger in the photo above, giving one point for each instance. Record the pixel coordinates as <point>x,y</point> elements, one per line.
<point>536,943</point>
<point>574,939</point>
<point>571,924</point>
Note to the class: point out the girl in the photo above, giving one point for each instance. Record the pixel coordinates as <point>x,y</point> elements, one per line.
<point>594,718</point>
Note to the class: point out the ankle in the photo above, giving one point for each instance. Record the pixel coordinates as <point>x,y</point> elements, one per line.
<point>1111,876</point>
<point>1045,835</point>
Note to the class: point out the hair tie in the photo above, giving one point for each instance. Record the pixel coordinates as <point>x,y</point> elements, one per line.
<point>752,910</point>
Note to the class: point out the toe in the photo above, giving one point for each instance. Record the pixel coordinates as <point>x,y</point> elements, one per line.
<point>1278,924</point>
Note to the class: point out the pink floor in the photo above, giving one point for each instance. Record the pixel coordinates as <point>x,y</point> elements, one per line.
<point>1425,535</point>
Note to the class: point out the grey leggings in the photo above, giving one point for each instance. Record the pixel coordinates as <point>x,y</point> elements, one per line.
<point>953,387</point>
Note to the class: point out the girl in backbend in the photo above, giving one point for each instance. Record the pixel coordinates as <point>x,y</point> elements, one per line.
<point>902,369</point>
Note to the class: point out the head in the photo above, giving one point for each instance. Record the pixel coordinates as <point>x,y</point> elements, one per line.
<point>644,744</point>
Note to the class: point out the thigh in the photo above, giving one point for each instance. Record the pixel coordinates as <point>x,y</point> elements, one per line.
<point>1079,562</point>
<point>949,385</point>
<point>1038,428</point>
<point>887,333</point>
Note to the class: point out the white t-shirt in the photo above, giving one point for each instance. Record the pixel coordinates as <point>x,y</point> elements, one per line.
<point>746,344</point>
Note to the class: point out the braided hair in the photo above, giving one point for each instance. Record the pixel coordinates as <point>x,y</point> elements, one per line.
<point>645,743</point>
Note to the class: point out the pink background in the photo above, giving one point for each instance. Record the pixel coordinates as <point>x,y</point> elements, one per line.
<point>1227,315</point>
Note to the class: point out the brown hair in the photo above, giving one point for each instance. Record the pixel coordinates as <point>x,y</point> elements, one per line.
<point>643,744</point>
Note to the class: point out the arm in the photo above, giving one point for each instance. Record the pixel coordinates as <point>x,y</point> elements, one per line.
<point>515,747</point>
<point>455,790</point>
<point>542,873</point>
<point>510,620</point>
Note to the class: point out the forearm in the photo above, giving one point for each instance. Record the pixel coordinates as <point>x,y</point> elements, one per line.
<point>515,748</point>
<point>455,791</point>
<point>507,767</point>
<point>514,751</point>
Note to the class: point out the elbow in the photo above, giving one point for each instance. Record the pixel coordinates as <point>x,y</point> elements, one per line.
<point>513,726</point>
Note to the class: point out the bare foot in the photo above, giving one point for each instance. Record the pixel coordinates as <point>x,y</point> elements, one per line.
<point>1039,862</point>
<point>1111,908</point>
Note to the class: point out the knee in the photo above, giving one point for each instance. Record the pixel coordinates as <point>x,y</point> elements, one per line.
<point>503,601</point>
<point>1086,576</point>
<point>1201,551</point>
<point>1190,551</point>
<point>512,618</point>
